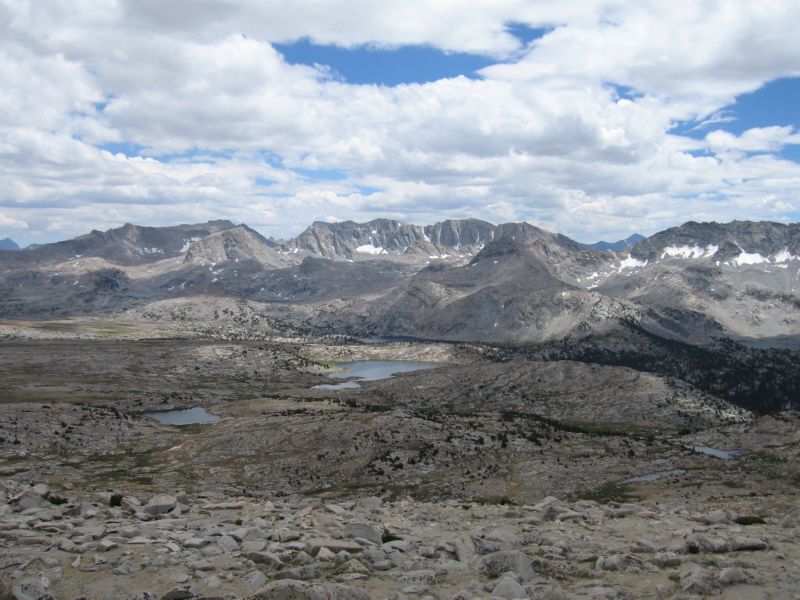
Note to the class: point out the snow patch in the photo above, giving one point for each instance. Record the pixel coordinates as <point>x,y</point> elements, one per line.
<point>188,242</point>
<point>631,263</point>
<point>370,249</point>
<point>745,258</point>
<point>784,256</point>
<point>689,251</point>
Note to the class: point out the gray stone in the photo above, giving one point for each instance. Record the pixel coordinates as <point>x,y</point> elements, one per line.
<point>401,545</point>
<point>182,592</point>
<point>94,531</point>
<point>246,534</point>
<point>160,504</point>
<point>697,580</point>
<point>699,543</point>
<point>465,548</point>
<point>253,546</point>
<point>107,544</point>
<point>303,558</point>
<point>126,566</point>
<point>325,555</point>
<point>255,579</point>
<point>130,531</point>
<point>509,588</point>
<point>265,558</point>
<point>353,566</point>
<point>314,545</point>
<point>42,489</point>
<point>609,563</point>
<point>30,499</point>
<point>667,559</point>
<point>227,544</point>
<point>790,521</point>
<point>364,530</point>
<point>717,517</point>
<point>335,509</point>
<point>732,576</point>
<point>498,563</point>
<point>302,573</point>
<point>420,577</point>
<point>131,504</point>
<point>369,503</point>
<point>30,589</point>
<point>747,545</point>
<point>504,536</point>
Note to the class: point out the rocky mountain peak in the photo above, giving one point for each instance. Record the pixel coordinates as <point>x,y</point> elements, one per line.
<point>238,243</point>
<point>742,241</point>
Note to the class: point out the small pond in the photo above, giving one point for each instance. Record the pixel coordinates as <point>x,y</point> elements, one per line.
<point>182,416</point>
<point>373,370</point>
<point>722,454</point>
<point>653,476</point>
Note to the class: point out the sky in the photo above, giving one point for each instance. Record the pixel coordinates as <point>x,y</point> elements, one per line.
<point>592,118</point>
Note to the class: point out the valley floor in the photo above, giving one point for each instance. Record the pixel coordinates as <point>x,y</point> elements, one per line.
<point>480,478</point>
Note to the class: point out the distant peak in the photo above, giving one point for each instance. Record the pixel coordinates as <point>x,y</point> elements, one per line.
<point>618,246</point>
<point>8,244</point>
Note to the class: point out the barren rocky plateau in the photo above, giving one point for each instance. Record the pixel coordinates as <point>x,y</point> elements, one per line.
<point>488,476</point>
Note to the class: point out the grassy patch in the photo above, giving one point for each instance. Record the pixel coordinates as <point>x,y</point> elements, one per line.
<point>731,483</point>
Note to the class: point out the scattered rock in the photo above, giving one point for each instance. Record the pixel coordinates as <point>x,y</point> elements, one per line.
<point>160,504</point>
<point>509,588</point>
<point>732,576</point>
<point>364,530</point>
<point>300,590</point>
<point>498,563</point>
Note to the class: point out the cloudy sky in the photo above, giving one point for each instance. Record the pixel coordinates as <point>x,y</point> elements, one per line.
<point>594,118</point>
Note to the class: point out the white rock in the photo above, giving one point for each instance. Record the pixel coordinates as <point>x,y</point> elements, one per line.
<point>160,504</point>
<point>508,587</point>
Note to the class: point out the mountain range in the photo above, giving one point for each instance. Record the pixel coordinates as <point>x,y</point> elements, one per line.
<point>8,244</point>
<point>617,246</point>
<point>460,280</point>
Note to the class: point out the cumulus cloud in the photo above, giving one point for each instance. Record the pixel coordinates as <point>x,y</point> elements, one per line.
<point>7,222</point>
<point>571,131</point>
<point>758,139</point>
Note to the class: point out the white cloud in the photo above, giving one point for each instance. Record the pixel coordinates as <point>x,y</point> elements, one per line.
<point>759,139</point>
<point>10,223</point>
<point>544,136</point>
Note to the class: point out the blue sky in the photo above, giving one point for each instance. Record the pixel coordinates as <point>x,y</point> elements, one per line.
<point>775,103</point>
<point>389,66</point>
<point>593,119</point>
<point>371,65</point>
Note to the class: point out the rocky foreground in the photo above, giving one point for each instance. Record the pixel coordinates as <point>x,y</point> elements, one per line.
<point>67,543</point>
